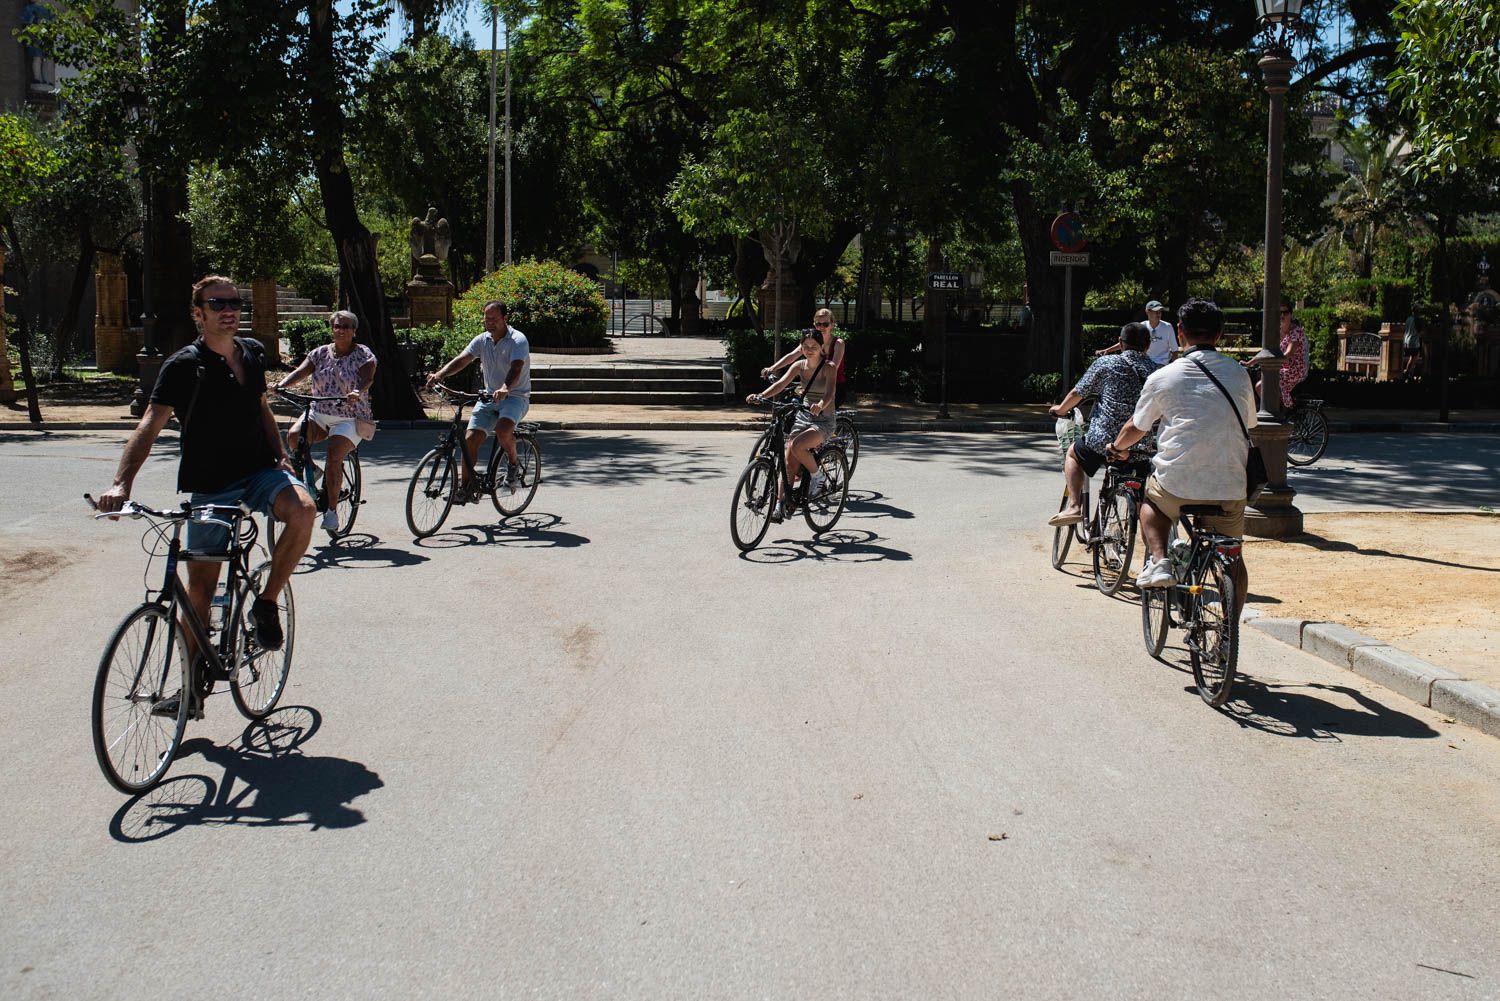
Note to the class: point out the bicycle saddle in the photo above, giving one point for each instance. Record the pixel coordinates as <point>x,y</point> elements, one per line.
<point>1208,510</point>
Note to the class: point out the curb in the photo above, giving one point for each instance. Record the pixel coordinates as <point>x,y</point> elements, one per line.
<point>1425,683</point>
<point>870,427</point>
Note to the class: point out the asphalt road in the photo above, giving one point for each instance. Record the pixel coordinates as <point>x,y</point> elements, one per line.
<point>594,753</point>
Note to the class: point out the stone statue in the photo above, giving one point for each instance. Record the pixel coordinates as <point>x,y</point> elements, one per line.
<point>431,239</point>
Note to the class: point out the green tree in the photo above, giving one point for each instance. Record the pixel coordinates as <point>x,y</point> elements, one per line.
<point>26,165</point>
<point>1448,79</point>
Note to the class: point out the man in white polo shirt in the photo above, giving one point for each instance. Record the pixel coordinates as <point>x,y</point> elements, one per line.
<point>505,361</point>
<point>1163,337</point>
<point>1200,448</point>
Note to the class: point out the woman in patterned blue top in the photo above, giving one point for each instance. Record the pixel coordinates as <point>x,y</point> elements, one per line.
<point>1115,382</point>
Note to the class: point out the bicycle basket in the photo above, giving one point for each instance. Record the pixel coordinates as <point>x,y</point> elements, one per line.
<point>1068,431</point>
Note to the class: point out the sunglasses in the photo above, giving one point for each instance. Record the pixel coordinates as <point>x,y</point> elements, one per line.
<point>825,324</point>
<point>343,326</point>
<point>220,305</point>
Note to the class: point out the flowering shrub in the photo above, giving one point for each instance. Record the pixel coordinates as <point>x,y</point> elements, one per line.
<point>552,305</point>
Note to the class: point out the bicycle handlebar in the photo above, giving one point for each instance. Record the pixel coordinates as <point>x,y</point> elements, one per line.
<point>455,395</point>
<point>205,513</point>
<point>307,401</point>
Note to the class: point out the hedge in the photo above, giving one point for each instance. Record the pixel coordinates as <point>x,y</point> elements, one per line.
<point>553,305</point>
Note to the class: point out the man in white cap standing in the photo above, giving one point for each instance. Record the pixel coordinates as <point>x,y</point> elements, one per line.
<point>1163,336</point>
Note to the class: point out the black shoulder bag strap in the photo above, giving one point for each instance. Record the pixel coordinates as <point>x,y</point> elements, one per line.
<point>807,386</point>
<point>1232,406</point>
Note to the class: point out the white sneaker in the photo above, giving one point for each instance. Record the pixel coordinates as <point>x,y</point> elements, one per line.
<point>1155,574</point>
<point>330,521</point>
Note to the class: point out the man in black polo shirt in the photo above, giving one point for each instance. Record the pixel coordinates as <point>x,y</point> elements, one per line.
<point>232,451</point>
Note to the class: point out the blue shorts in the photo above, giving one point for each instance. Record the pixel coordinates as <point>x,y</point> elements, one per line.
<point>257,491</point>
<point>486,415</point>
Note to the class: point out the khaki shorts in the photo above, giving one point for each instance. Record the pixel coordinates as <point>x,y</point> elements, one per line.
<point>1231,523</point>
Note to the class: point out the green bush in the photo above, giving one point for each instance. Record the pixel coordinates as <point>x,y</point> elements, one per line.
<point>305,333</point>
<point>1393,299</point>
<point>1344,389</point>
<point>553,305</point>
<point>1044,387</point>
<point>1321,326</point>
<point>318,282</point>
<point>882,359</point>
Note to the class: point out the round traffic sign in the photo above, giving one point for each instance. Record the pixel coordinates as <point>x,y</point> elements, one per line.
<point>1067,233</point>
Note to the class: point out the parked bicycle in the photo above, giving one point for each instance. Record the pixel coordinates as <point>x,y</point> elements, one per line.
<point>845,432</point>
<point>350,483</point>
<point>147,687</point>
<point>753,508</point>
<point>435,486</point>
<point>1202,603</point>
<point>1309,435</point>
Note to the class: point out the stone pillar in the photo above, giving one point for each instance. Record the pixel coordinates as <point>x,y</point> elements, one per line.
<point>7,385</point>
<point>265,321</point>
<point>113,351</point>
<point>429,303</point>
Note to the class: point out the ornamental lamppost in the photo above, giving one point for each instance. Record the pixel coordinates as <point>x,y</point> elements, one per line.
<point>1273,515</point>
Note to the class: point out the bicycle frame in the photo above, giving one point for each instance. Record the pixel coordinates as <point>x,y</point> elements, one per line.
<point>307,471</point>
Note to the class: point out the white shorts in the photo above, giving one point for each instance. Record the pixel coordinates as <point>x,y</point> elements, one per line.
<point>336,425</point>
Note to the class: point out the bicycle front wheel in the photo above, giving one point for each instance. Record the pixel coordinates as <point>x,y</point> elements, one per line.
<point>1309,438</point>
<point>1214,634</point>
<point>1116,542</point>
<point>347,502</point>
<point>754,497</point>
<point>849,434</point>
<point>512,496</point>
<point>260,675</point>
<point>1062,538</point>
<point>143,665</point>
<point>429,496</point>
<point>761,444</point>
<point>823,508</point>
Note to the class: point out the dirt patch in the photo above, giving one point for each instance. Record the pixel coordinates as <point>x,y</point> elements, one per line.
<point>1429,584</point>
<point>22,568</point>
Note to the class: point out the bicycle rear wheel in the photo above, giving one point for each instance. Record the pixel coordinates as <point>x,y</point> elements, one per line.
<point>347,502</point>
<point>1214,634</point>
<point>429,496</point>
<point>754,497</point>
<point>822,510</point>
<point>143,664</point>
<point>1116,542</point>
<point>260,675</point>
<point>1309,437</point>
<point>513,498</point>
<point>845,429</point>
<point>1062,538</point>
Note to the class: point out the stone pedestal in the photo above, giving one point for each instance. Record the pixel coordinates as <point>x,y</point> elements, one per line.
<point>265,323</point>
<point>113,351</point>
<point>429,303</point>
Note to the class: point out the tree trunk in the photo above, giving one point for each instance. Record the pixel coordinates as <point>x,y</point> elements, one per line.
<point>23,327</point>
<point>172,259</point>
<point>83,270</point>
<point>750,269</point>
<point>1044,345</point>
<point>359,271</point>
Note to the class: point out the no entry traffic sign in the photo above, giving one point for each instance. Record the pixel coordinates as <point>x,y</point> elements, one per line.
<point>1067,233</point>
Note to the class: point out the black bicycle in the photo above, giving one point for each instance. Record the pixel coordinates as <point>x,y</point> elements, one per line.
<point>845,432</point>
<point>1309,433</point>
<point>754,506</point>
<point>435,485</point>
<point>351,482</point>
<point>1202,602</point>
<point>147,686</point>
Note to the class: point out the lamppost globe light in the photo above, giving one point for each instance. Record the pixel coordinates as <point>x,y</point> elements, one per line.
<point>1278,12</point>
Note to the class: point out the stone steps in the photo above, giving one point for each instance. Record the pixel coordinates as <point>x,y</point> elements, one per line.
<point>644,384</point>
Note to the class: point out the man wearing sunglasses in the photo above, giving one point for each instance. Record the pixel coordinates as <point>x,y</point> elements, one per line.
<point>232,451</point>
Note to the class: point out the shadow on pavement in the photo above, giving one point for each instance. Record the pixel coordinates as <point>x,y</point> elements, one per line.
<point>1335,546</point>
<point>871,504</point>
<point>1294,711</point>
<point>266,781</point>
<point>532,530</point>
<point>842,546</point>
<point>355,551</point>
<point>1406,470</point>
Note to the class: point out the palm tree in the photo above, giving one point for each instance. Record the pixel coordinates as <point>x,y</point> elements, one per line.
<point>1375,194</point>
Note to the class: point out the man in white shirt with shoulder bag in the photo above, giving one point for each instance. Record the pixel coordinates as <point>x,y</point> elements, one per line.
<point>1205,403</point>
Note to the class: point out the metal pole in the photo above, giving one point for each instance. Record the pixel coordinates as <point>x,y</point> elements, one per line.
<point>943,414</point>
<point>489,204</point>
<point>1273,515</point>
<point>148,362</point>
<point>1067,357</point>
<point>507,144</point>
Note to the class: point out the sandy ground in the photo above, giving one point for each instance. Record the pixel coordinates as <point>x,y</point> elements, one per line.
<point>1427,583</point>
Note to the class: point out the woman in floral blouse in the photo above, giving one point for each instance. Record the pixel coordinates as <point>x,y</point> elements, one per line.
<point>345,369</point>
<point>1294,348</point>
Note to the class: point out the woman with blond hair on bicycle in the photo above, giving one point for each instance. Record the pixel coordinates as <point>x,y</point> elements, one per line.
<point>345,369</point>
<point>833,349</point>
<point>812,426</point>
